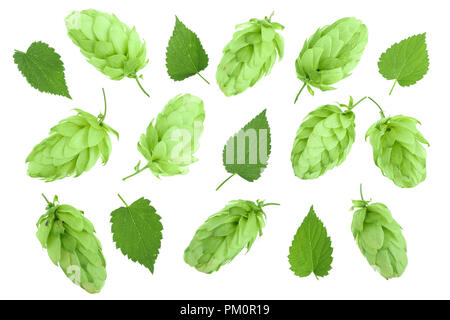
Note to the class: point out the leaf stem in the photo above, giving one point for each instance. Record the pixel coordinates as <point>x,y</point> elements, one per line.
<point>298,94</point>
<point>390,92</point>
<point>122,200</point>
<point>381,110</point>
<point>137,172</point>
<point>203,78</point>
<point>140,86</point>
<point>226,180</point>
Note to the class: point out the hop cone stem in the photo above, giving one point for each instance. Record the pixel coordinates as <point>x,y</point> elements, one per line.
<point>381,110</point>
<point>135,173</point>
<point>298,94</point>
<point>46,200</point>
<point>270,204</point>
<point>361,100</point>
<point>140,86</point>
<point>103,115</point>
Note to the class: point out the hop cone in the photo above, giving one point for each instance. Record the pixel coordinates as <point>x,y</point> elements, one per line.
<point>225,234</point>
<point>379,238</point>
<point>70,241</point>
<point>249,56</point>
<point>73,147</point>
<point>398,151</point>
<point>107,43</point>
<point>170,142</point>
<point>323,140</point>
<point>331,53</point>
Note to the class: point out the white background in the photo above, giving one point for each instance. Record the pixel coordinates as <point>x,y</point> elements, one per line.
<point>184,202</point>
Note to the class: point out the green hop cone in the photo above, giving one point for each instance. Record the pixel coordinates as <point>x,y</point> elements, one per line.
<point>398,151</point>
<point>250,55</point>
<point>225,234</point>
<point>330,54</point>
<point>170,142</point>
<point>380,238</point>
<point>72,245</point>
<point>323,140</point>
<point>73,146</point>
<point>107,43</point>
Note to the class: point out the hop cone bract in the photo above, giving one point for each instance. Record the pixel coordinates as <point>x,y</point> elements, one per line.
<point>225,234</point>
<point>331,53</point>
<point>323,140</point>
<point>107,43</point>
<point>73,147</point>
<point>250,55</point>
<point>71,243</point>
<point>398,151</point>
<point>170,142</point>
<point>379,238</point>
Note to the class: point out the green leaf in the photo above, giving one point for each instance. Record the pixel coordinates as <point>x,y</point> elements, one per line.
<point>43,69</point>
<point>247,152</point>
<point>137,232</point>
<point>311,249</point>
<point>406,62</point>
<point>185,55</point>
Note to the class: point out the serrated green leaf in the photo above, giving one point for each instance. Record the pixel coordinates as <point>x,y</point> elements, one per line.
<point>137,232</point>
<point>311,249</point>
<point>406,62</point>
<point>185,55</point>
<point>43,69</point>
<point>247,152</point>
